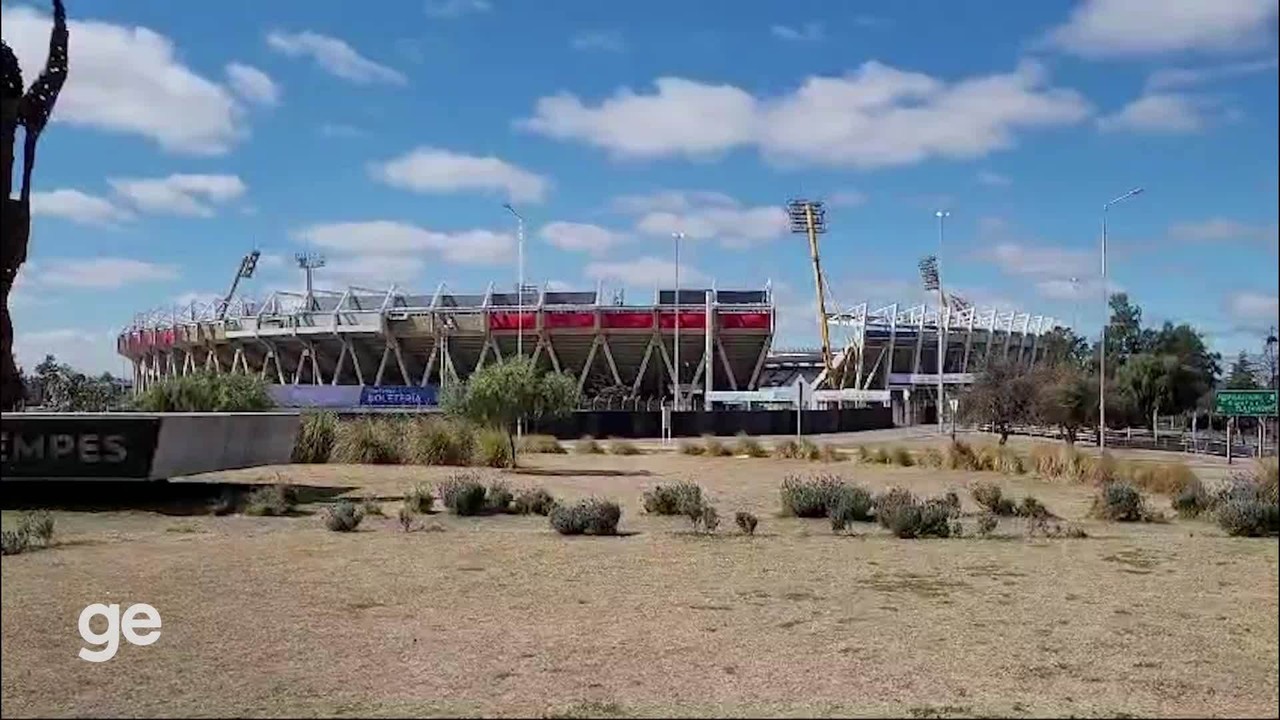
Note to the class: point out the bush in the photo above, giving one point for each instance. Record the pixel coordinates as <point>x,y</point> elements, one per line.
<point>498,498</point>
<point>432,441</point>
<point>849,504</point>
<point>369,506</point>
<point>881,456</point>
<point>367,441</point>
<point>749,446</point>
<point>952,499</point>
<point>991,497</point>
<point>463,494</point>
<point>1120,502</point>
<point>37,525</point>
<point>407,516</point>
<point>987,523</point>
<point>679,498</point>
<point>812,497</point>
<point>714,448</point>
<point>1032,508</point>
<point>269,500</point>
<point>864,454</point>
<point>1163,478</point>
<point>746,522</point>
<point>1243,517</point>
<point>534,501</point>
<point>688,447</point>
<point>931,457</point>
<point>587,445</point>
<point>788,449</point>
<point>960,456</point>
<point>419,498</point>
<point>14,542</point>
<point>908,517</point>
<point>807,449</point>
<point>902,457</point>
<point>315,437</point>
<point>206,392</point>
<point>705,520</point>
<point>623,447</point>
<point>887,502</point>
<point>830,453</point>
<point>1043,527</point>
<point>493,449</point>
<point>541,444</point>
<point>587,517</point>
<point>1191,500</point>
<point>343,516</point>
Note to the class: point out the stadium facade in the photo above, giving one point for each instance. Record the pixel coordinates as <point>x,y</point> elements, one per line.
<point>625,352</point>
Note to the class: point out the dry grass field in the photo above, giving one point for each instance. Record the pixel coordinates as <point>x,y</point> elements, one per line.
<point>500,616</point>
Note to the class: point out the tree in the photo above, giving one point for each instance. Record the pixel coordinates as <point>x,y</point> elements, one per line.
<point>1187,344</point>
<point>1158,382</point>
<point>504,393</point>
<point>1068,398</point>
<point>1062,345</point>
<point>1002,395</point>
<point>1243,375</point>
<point>1124,331</point>
<point>60,387</point>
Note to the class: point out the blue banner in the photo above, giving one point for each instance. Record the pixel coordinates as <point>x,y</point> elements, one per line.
<point>398,396</point>
<point>333,397</point>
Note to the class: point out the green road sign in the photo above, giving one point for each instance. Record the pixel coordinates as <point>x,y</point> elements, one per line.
<point>1247,403</point>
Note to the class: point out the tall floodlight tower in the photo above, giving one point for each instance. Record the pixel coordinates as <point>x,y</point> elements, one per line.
<point>248,264</point>
<point>519,280</point>
<point>809,217</point>
<point>309,262</point>
<point>933,283</point>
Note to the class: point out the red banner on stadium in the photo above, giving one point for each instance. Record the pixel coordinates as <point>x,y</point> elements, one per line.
<point>667,320</point>
<point>511,321</point>
<point>744,321</point>
<point>582,320</point>
<point>627,320</point>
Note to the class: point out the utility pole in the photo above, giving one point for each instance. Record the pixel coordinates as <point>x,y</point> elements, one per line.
<point>677,237</point>
<point>942,320</point>
<point>1106,320</point>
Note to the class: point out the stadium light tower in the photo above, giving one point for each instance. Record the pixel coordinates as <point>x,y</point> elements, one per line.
<point>942,216</point>
<point>933,283</point>
<point>309,262</point>
<point>1106,320</point>
<point>248,264</point>
<point>809,217</point>
<point>520,280</point>
<point>677,237</point>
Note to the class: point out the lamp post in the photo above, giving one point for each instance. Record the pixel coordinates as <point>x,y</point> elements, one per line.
<point>942,216</point>
<point>1106,320</point>
<point>677,237</point>
<point>520,280</point>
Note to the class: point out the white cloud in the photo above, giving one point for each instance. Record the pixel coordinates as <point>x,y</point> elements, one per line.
<point>603,40</point>
<point>433,170</point>
<point>1070,289</point>
<point>704,216</point>
<point>456,8</point>
<point>1042,260</point>
<point>581,237</point>
<point>1188,77</point>
<point>876,116</point>
<point>100,273</point>
<point>1164,113</point>
<point>1254,309</point>
<point>1116,28</point>
<point>847,198</point>
<point>335,57</point>
<point>809,32</point>
<point>78,207</point>
<point>187,195</point>
<point>88,351</point>
<point>1220,229</point>
<point>389,238</point>
<point>130,80</point>
<point>992,179</point>
<point>646,271</point>
<point>252,84</point>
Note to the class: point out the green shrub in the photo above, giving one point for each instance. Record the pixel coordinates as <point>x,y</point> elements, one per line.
<point>38,526</point>
<point>991,497</point>
<point>463,494</point>
<point>367,441</point>
<point>1120,502</point>
<point>1030,507</point>
<point>407,516</point>
<point>931,457</point>
<point>14,542</point>
<point>343,516</point>
<point>679,498</point>
<point>270,500</point>
<point>206,392</point>
<point>812,497</point>
<point>533,501</point>
<point>788,449</point>
<point>587,445</point>
<point>908,517</point>
<point>547,444</point>
<point>688,447</point>
<point>587,517</point>
<point>902,456</point>
<point>1191,500</point>
<point>623,447</point>
<point>987,523</point>
<point>749,446</point>
<point>419,498</point>
<point>712,447</point>
<point>434,441</point>
<point>886,503</point>
<point>1243,517</point>
<point>952,500</point>
<point>849,504</point>
<point>830,453</point>
<point>746,522</point>
<point>315,437</point>
<point>498,497</point>
<point>493,449</point>
<point>705,520</point>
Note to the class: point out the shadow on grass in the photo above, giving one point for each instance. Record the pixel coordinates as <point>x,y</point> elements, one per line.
<point>165,498</point>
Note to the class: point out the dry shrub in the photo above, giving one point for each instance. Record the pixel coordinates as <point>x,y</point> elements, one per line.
<point>908,517</point>
<point>270,501</point>
<point>498,498</point>
<point>1031,507</point>
<point>368,441</point>
<point>849,504</point>
<point>712,447</point>
<point>546,444</point>
<point>463,494</point>
<point>1248,505</point>
<point>678,498</point>
<point>1049,528</point>
<point>987,523</point>
<point>1163,478</point>
<point>493,449</point>
<point>787,449</point>
<point>33,528</point>
<point>830,453</point>
<point>705,520</point>
<point>864,454</point>
<point>587,517</point>
<point>407,516</point>
<point>1192,500</point>
<point>807,449</point>
<point>1119,502</point>
<point>687,447</point>
<point>533,501</point>
<point>369,506</point>
<point>902,457</point>
<point>959,455</point>
<point>810,497</point>
<point>343,516</point>
<point>749,446</point>
<point>931,457</point>
<point>623,447</point>
<point>587,445</point>
<point>315,437</point>
<point>419,498</point>
<point>991,497</point>
<point>746,522</point>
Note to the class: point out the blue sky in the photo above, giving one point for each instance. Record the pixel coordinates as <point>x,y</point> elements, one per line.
<point>388,136</point>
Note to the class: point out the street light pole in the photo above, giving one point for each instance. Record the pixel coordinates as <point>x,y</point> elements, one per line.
<point>677,236</point>
<point>520,281</point>
<point>1106,320</point>
<point>942,216</point>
